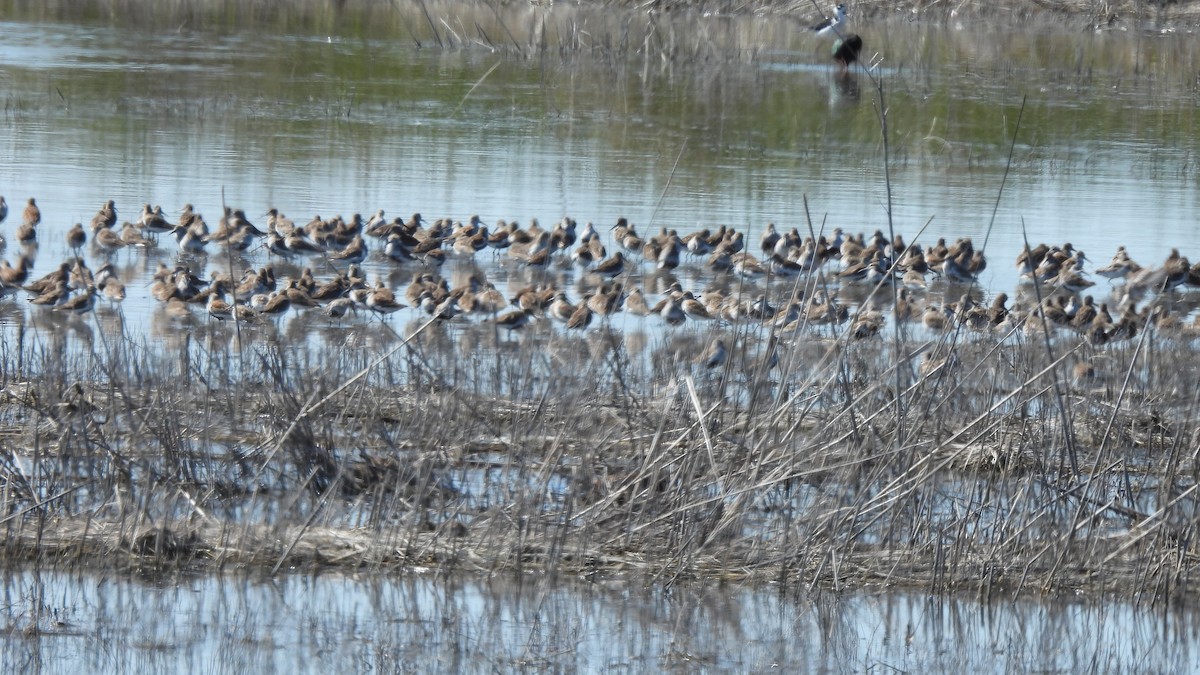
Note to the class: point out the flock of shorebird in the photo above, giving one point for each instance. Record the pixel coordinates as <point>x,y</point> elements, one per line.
<point>792,281</point>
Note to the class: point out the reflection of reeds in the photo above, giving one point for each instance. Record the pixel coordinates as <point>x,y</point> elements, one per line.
<point>571,453</point>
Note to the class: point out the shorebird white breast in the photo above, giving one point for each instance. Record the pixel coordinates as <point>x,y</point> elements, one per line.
<point>832,25</point>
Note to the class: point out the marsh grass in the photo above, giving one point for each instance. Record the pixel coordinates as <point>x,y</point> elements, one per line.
<point>944,461</point>
<point>575,455</point>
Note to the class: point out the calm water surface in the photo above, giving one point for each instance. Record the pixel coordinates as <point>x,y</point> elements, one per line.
<point>706,122</point>
<point>737,134</point>
<point>423,623</point>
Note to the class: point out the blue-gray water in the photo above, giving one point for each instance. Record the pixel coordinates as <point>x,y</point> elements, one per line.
<point>421,622</point>
<point>345,120</point>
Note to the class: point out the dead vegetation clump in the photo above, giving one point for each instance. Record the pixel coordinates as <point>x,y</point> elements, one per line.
<point>847,464</point>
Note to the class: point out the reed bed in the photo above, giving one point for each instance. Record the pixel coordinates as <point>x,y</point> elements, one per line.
<point>951,461</point>
<point>959,461</point>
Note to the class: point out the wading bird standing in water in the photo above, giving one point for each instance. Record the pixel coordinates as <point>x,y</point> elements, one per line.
<point>846,51</point>
<point>832,25</point>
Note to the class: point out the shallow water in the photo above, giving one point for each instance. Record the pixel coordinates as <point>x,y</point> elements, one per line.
<point>735,129</point>
<point>428,623</point>
<point>670,121</point>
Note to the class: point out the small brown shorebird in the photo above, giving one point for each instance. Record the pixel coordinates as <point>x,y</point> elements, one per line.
<point>515,319</point>
<point>105,217</point>
<point>32,214</point>
<point>560,308</point>
<point>107,240</point>
<point>113,289</point>
<point>355,252</point>
<point>218,308</point>
<point>383,301</point>
<point>80,303</point>
<point>76,237</point>
<point>580,318</point>
<point>27,232</point>
<point>714,356</point>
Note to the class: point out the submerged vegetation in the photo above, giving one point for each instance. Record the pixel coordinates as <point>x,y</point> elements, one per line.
<point>996,461</point>
<point>993,460</point>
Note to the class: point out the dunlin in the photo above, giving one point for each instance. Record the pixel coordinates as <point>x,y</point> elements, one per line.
<point>298,296</point>
<point>60,276</point>
<point>514,319</point>
<point>32,215</point>
<point>27,232</point>
<point>1070,278</point>
<point>631,241</point>
<point>106,240</point>
<point>275,304</point>
<point>563,236</point>
<point>672,311</point>
<point>76,237</point>
<point>396,248</point>
<point>331,290</point>
<point>606,301</point>
<point>958,269</point>
<point>54,294</point>
<point>1083,316</point>
<point>80,303</point>
<point>783,268</point>
<point>668,255</point>
<point>734,242</point>
<point>693,308</point>
<point>635,303</point>
<point>937,254</point>
<point>1053,310</point>
<point>588,253</point>
<point>377,225</point>
<point>580,318</point>
<point>717,238</point>
<point>697,242</point>
<point>339,307</point>
<point>422,283</point>
<point>621,230</point>
<point>434,258</point>
<point>489,300</point>
<point>189,240</point>
<point>714,356</point>
<point>770,237</point>
<point>112,288</point>
<point>935,317</point>
<point>589,233</point>
<point>106,217</point>
<point>998,311</point>
<point>383,301</point>
<point>218,308</point>
<point>868,324</point>
<point>355,252</point>
<point>153,221</point>
<point>189,219</point>
<point>747,265</point>
<point>132,236</point>
<point>1119,267</point>
<point>612,266</point>
<point>11,278</point>
<point>298,243</point>
<point>560,308</point>
<point>277,222</point>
